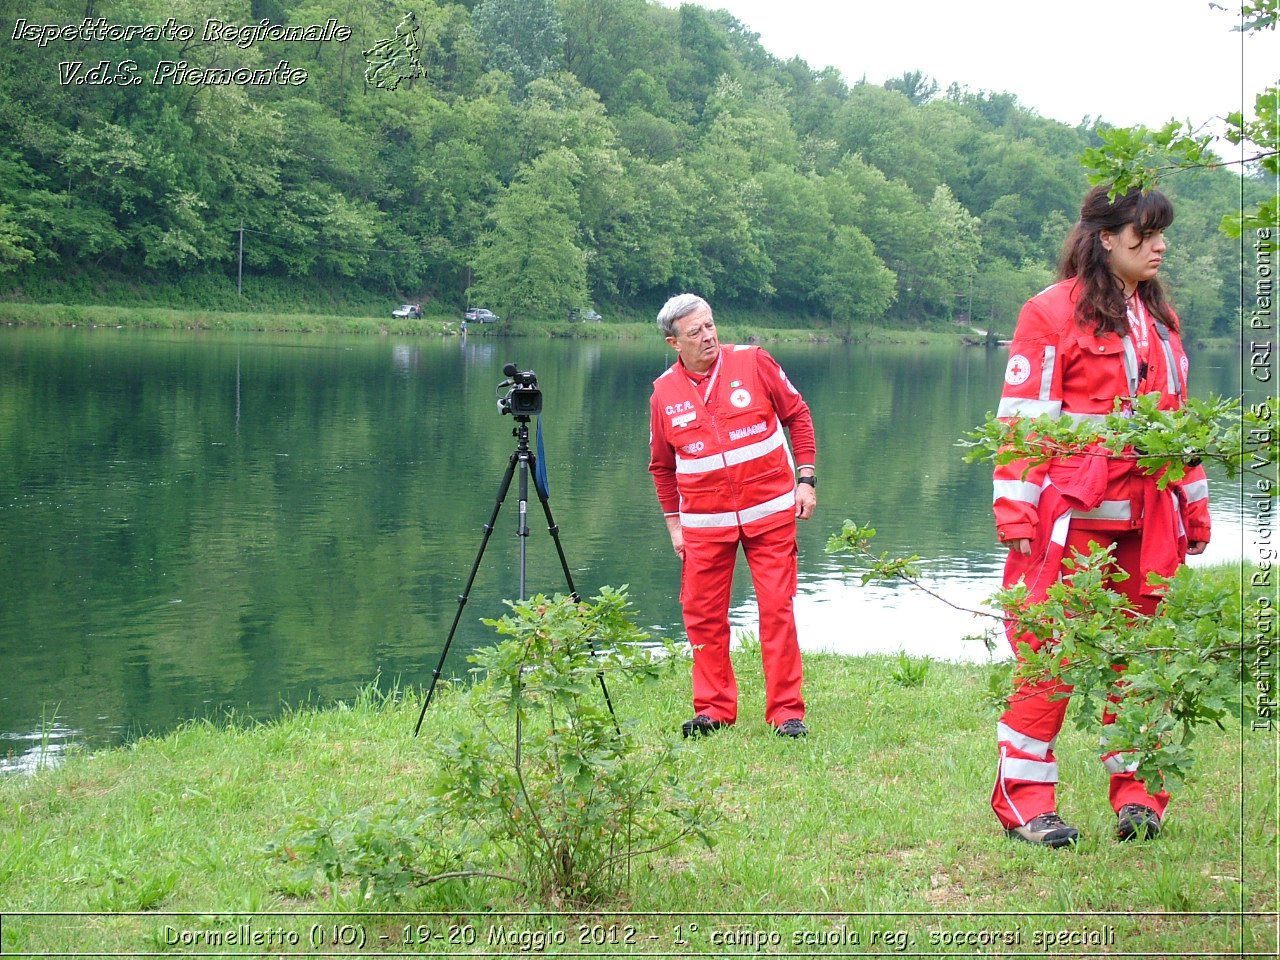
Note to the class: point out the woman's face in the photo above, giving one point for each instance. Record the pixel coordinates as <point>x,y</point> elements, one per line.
<point>1134,257</point>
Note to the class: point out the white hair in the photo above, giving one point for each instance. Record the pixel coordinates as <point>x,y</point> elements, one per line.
<point>681,305</point>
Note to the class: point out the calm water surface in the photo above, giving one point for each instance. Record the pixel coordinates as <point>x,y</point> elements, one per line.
<point>191,524</point>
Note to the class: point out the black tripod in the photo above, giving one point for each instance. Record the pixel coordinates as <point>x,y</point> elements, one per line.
<point>526,460</point>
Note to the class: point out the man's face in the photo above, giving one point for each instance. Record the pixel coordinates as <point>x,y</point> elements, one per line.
<point>696,341</point>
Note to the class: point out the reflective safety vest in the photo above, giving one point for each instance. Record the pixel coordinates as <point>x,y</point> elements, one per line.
<point>733,465</point>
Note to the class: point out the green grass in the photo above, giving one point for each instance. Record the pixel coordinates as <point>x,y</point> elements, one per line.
<point>878,823</point>
<point>165,318</point>
<point>436,322</point>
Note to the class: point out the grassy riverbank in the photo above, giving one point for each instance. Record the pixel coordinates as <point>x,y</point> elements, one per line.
<point>742,325</point>
<point>737,325</point>
<point>877,825</point>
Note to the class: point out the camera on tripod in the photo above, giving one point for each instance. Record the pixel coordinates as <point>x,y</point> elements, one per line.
<point>523,399</point>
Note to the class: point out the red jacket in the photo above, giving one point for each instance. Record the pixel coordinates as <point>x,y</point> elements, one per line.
<point>717,452</point>
<point>1056,368</point>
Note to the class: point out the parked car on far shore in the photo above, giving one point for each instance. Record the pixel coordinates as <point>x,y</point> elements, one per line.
<point>580,316</point>
<point>407,310</point>
<point>480,315</point>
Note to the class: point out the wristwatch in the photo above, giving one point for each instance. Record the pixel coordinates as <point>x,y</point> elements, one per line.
<point>811,481</point>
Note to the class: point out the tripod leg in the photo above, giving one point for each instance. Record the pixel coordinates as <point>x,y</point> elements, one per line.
<point>462,600</point>
<point>554,530</point>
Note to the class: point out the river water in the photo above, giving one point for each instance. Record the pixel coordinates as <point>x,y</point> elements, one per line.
<point>196,523</point>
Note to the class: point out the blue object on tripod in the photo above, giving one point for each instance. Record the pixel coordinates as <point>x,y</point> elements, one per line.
<point>540,473</point>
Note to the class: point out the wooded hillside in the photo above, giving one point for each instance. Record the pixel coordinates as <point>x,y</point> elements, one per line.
<point>548,154</point>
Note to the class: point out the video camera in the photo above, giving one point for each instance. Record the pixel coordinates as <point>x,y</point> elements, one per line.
<point>523,400</point>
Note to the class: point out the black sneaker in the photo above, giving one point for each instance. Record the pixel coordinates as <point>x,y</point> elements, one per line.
<point>701,726</point>
<point>1137,822</point>
<point>792,728</point>
<point>1046,830</point>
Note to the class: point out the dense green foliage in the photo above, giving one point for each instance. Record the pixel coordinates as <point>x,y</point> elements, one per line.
<point>533,155</point>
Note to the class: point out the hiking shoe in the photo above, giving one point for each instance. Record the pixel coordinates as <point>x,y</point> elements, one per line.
<point>1047,830</point>
<point>701,726</point>
<point>792,728</point>
<point>1137,822</point>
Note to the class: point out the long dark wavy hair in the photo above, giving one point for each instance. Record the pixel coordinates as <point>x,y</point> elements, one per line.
<point>1101,306</point>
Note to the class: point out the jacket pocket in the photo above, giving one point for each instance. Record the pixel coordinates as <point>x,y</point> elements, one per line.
<point>1099,372</point>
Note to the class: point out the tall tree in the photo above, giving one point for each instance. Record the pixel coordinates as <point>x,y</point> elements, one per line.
<point>523,38</point>
<point>606,40</point>
<point>857,286</point>
<point>892,217</point>
<point>704,57</point>
<point>915,85</point>
<point>12,250</point>
<point>797,231</point>
<point>956,245</point>
<point>529,264</point>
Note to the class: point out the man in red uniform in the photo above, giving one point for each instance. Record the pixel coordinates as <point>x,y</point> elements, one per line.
<point>724,477</point>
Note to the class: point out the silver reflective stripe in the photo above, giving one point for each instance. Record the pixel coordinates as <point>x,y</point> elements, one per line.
<point>688,465</point>
<point>717,461</point>
<point>1037,770</point>
<point>1020,490</point>
<point>1130,365</point>
<point>769,507</point>
<point>1115,764</point>
<point>708,519</point>
<point>1058,534</point>
<point>754,451</point>
<point>1108,510</point>
<point>1171,365</point>
<point>1004,758</point>
<point>758,512</point>
<point>1196,491</point>
<point>1024,743</point>
<point>1079,418</point>
<point>1024,407</point>
<point>1046,373</point>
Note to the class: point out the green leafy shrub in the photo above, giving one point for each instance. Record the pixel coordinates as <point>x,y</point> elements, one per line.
<point>545,771</point>
<point>540,784</point>
<point>385,852</point>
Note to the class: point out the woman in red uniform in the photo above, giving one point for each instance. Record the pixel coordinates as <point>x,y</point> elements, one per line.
<point>1104,332</point>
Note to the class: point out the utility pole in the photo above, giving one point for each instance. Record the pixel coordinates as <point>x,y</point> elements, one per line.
<point>240,262</point>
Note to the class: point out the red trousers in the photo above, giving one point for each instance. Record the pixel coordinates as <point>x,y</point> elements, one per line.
<point>705,585</point>
<point>1028,772</point>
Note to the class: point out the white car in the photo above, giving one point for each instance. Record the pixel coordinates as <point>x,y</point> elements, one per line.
<point>407,310</point>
